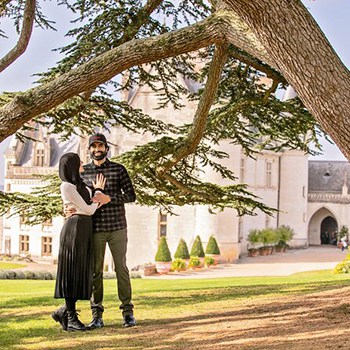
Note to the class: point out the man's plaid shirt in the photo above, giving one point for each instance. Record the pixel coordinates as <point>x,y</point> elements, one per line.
<point>111,216</point>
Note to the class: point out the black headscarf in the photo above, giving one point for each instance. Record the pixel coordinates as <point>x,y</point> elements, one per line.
<point>69,172</point>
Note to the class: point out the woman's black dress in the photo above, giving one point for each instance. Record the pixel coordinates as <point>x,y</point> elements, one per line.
<point>75,259</point>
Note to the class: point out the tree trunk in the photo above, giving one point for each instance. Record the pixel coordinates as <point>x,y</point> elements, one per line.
<point>305,58</point>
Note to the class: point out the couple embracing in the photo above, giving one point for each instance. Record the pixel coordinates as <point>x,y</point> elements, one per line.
<point>94,196</point>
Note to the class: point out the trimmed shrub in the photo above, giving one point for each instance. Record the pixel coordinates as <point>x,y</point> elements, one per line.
<point>29,275</point>
<point>10,275</point>
<point>197,248</point>
<point>163,252</point>
<point>20,275</point>
<point>39,275</point>
<point>212,246</point>
<point>182,250</point>
<point>48,275</point>
<point>194,261</point>
<point>178,265</point>
<point>2,275</point>
<point>208,261</point>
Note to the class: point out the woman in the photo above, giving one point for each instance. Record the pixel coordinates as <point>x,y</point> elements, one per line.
<point>75,259</point>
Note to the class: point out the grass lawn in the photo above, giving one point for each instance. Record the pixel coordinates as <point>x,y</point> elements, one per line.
<point>10,265</point>
<point>304,311</point>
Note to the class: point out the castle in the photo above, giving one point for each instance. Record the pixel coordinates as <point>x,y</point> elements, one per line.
<point>312,196</point>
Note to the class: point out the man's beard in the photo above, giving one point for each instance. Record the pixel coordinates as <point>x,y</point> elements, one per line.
<point>100,156</point>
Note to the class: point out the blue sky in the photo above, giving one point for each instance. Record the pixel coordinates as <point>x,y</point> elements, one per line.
<point>332,16</point>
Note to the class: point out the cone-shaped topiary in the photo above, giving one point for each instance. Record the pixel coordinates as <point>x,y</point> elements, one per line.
<point>163,252</point>
<point>212,246</point>
<point>197,248</point>
<point>182,250</point>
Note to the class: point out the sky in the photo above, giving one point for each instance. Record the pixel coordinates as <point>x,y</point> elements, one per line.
<point>331,15</point>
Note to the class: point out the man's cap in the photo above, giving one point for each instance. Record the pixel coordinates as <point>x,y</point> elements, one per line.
<point>97,138</point>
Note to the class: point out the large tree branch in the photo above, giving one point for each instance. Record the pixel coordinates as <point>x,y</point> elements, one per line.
<point>41,99</point>
<point>306,59</point>
<point>23,41</point>
<point>238,33</point>
<point>206,101</point>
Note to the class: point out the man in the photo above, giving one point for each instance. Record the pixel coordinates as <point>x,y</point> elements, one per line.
<point>109,227</point>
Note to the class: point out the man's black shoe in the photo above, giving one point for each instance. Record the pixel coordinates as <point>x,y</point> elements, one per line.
<point>60,315</point>
<point>129,321</point>
<point>97,322</point>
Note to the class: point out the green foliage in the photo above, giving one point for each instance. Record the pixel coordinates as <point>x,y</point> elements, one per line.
<point>267,236</point>
<point>197,248</point>
<point>212,246</point>
<point>245,112</point>
<point>208,260</point>
<point>343,266</point>
<point>284,234</point>
<point>344,232</point>
<point>163,252</point>
<point>182,250</point>
<point>178,265</point>
<point>194,261</point>
<point>253,237</point>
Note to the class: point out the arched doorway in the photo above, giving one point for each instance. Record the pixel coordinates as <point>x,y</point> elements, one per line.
<point>329,230</point>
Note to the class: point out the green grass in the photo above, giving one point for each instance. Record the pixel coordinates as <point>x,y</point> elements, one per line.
<point>26,306</point>
<point>10,265</point>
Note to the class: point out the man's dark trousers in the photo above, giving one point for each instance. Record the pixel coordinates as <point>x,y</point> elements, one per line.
<point>117,242</point>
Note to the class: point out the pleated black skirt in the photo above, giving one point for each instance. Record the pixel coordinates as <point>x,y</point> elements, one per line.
<point>75,259</point>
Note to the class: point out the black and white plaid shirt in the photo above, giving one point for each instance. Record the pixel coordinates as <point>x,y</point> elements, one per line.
<point>111,216</point>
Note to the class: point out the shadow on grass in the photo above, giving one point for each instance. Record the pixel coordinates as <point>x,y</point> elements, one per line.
<point>310,323</point>
<point>300,316</point>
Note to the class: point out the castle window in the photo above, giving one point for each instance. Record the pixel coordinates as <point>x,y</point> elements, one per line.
<point>162,227</point>
<point>39,157</point>
<point>8,187</point>
<point>268,174</point>
<point>46,246</point>
<point>23,244</point>
<point>23,221</point>
<point>47,225</point>
<point>8,245</point>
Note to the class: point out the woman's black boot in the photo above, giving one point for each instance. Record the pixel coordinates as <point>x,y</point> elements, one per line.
<point>74,323</point>
<point>60,315</point>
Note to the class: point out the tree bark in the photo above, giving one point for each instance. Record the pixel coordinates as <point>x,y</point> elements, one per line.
<point>23,41</point>
<point>305,58</point>
<point>205,103</point>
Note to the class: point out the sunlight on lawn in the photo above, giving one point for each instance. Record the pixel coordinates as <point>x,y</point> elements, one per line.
<point>224,314</point>
<point>11,265</point>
